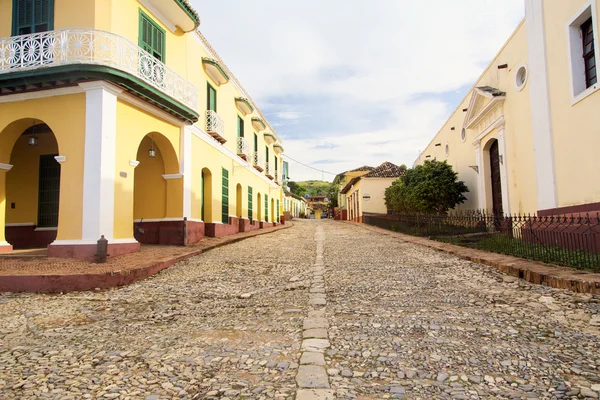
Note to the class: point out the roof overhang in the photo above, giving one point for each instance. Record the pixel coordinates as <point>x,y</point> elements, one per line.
<point>278,149</point>
<point>244,106</point>
<point>215,71</point>
<point>174,13</point>
<point>259,124</point>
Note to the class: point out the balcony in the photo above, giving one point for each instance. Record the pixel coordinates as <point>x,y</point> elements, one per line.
<point>269,171</point>
<point>269,138</point>
<point>215,126</point>
<point>68,56</point>
<point>258,124</point>
<point>257,162</point>
<point>243,148</point>
<point>277,177</point>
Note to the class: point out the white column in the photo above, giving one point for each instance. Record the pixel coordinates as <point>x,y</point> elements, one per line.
<point>480,177</point>
<point>99,161</point>
<point>503,172</point>
<point>185,152</point>
<point>543,143</point>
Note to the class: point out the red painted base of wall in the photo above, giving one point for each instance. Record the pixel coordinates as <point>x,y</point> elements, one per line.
<point>219,230</point>
<point>575,211</point>
<point>264,225</point>
<point>195,231</point>
<point>342,216</point>
<point>26,237</point>
<point>169,232</point>
<point>6,249</point>
<point>282,220</point>
<point>88,251</point>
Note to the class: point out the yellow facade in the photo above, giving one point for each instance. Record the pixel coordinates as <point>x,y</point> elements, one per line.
<point>106,122</point>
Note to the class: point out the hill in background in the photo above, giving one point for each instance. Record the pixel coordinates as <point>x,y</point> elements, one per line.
<point>312,187</point>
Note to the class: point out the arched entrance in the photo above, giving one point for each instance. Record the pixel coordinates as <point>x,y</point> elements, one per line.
<point>206,195</point>
<point>30,184</point>
<point>495,179</point>
<point>238,201</point>
<point>156,192</point>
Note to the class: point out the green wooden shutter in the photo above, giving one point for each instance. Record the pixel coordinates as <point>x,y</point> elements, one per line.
<point>267,154</point>
<point>32,16</point>
<point>266,208</point>
<point>278,212</point>
<point>240,127</point>
<point>202,196</point>
<point>255,142</point>
<point>225,197</point>
<point>250,217</point>
<point>151,37</point>
<point>211,99</point>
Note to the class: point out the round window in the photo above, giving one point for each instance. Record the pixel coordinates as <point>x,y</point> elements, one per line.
<point>447,149</point>
<point>463,134</point>
<point>521,77</point>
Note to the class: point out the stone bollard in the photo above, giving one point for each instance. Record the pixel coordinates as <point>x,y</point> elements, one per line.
<point>102,250</point>
<point>185,231</point>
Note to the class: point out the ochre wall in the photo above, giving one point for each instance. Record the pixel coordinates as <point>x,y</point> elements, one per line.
<point>375,187</point>
<point>574,126</point>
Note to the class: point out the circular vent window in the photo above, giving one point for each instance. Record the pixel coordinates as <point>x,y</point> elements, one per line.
<point>521,77</point>
<point>463,134</point>
<point>447,149</point>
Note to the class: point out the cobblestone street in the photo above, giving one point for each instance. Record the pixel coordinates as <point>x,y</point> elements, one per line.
<point>331,306</point>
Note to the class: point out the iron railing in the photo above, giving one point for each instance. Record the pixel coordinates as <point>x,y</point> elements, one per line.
<point>268,168</point>
<point>243,148</point>
<point>572,240</point>
<point>214,123</point>
<point>257,160</point>
<point>75,46</point>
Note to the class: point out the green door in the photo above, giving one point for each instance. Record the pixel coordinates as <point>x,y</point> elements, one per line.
<point>266,208</point>
<point>225,197</point>
<point>250,217</point>
<point>48,192</point>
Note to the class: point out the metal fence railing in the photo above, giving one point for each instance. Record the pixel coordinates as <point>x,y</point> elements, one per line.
<point>572,240</point>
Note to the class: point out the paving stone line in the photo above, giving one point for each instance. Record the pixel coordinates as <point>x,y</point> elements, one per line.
<point>312,379</point>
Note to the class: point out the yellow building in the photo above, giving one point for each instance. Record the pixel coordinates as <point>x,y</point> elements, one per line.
<point>365,193</point>
<point>341,181</point>
<point>524,138</point>
<point>117,118</point>
<point>294,205</point>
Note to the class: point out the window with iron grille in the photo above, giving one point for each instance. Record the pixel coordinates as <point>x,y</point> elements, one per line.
<point>266,208</point>
<point>225,197</point>
<point>32,16</point>
<point>250,216</point>
<point>152,37</point>
<point>48,192</point>
<point>589,57</point>
<point>211,98</point>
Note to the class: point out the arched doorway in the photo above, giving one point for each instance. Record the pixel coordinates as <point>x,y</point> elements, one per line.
<point>206,195</point>
<point>31,189</point>
<point>495,179</point>
<point>238,201</point>
<point>153,193</point>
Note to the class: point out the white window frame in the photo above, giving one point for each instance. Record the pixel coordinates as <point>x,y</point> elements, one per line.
<point>575,52</point>
<point>518,85</point>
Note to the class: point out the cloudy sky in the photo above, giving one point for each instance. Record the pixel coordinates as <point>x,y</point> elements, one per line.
<point>352,82</point>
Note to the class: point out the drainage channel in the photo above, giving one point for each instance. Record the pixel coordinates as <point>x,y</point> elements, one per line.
<point>312,379</point>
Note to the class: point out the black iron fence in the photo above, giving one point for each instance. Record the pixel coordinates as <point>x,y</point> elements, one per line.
<point>564,240</point>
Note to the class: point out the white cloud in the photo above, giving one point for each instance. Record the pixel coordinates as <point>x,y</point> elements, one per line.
<point>375,55</point>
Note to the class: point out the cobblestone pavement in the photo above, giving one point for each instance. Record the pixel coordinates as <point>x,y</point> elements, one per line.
<point>393,320</point>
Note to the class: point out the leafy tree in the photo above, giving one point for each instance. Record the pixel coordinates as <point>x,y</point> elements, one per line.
<point>297,188</point>
<point>431,188</point>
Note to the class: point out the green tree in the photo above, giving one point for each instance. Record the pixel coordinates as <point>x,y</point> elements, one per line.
<point>297,188</point>
<point>431,188</point>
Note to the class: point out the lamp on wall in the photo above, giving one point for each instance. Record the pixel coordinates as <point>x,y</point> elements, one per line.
<point>152,151</point>
<point>32,140</point>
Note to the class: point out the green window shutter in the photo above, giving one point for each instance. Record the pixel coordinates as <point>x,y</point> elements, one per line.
<point>152,37</point>
<point>225,197</point>
<point>275,165</point>
<point>267,153</point>
<point>202,196</point>
<point>32,16</point>
<point>240,126</point>
<point>266,208</point>
<point>278,216</point>
<point>211,99</point>
<point>255,142</point>
<point>250,217</point>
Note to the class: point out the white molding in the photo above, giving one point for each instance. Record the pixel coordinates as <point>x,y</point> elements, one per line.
<point>134,163</point>
<point>185,165</point>
<point>495,102</point>
<point>166,220</point>
<point>6,167</point>
<point>20,224</point>
<point>40,94</point>
<point>160,16</point>
<point>480,177</point>
<point>497,124</point>
<point>99,160</point>
<point>574,53</point>
<point>4,243</point>
<point>172,176</point>
<point>60,159</point>
<point>504,184</point>
<point>54,228</point>
<point>157,112</point>
<point>541,122</point>
<point>91,242</point>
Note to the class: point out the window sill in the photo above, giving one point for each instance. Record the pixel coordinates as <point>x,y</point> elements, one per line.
<point>45,229</point>
<point>587,92</point>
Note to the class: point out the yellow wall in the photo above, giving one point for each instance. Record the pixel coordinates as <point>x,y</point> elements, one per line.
<point>375,188</point>
<point>16,117</point>
<point>576,160</point>
<point>519,155</point>
<point>150,188</point>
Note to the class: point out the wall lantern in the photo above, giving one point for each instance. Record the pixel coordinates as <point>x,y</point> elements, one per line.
<point>32,140</point>
<point>152,151</point>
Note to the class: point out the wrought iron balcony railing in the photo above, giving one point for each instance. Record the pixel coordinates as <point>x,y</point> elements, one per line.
<point>243,148</point>
<point>215,126</point>
<point>269,171</point>
<point>257,161</point>
<point>79,46</point>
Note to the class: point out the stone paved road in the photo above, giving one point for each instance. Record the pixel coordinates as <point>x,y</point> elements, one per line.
<point>403,322</point>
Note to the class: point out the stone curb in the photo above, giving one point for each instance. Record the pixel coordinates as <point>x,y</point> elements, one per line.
<point>86,282</point>
<point>531,271</point>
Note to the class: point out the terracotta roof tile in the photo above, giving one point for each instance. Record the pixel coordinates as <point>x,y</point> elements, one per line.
<point>385,170</point>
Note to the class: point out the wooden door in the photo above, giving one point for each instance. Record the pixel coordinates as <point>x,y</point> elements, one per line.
<point>496,180</point>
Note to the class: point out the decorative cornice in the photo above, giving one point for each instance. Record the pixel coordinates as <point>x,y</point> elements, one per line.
<point>212,68</point>
<point>134,163</point>
<point>60,159</point>
<point>172,176</point>
<point>5,167</point>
